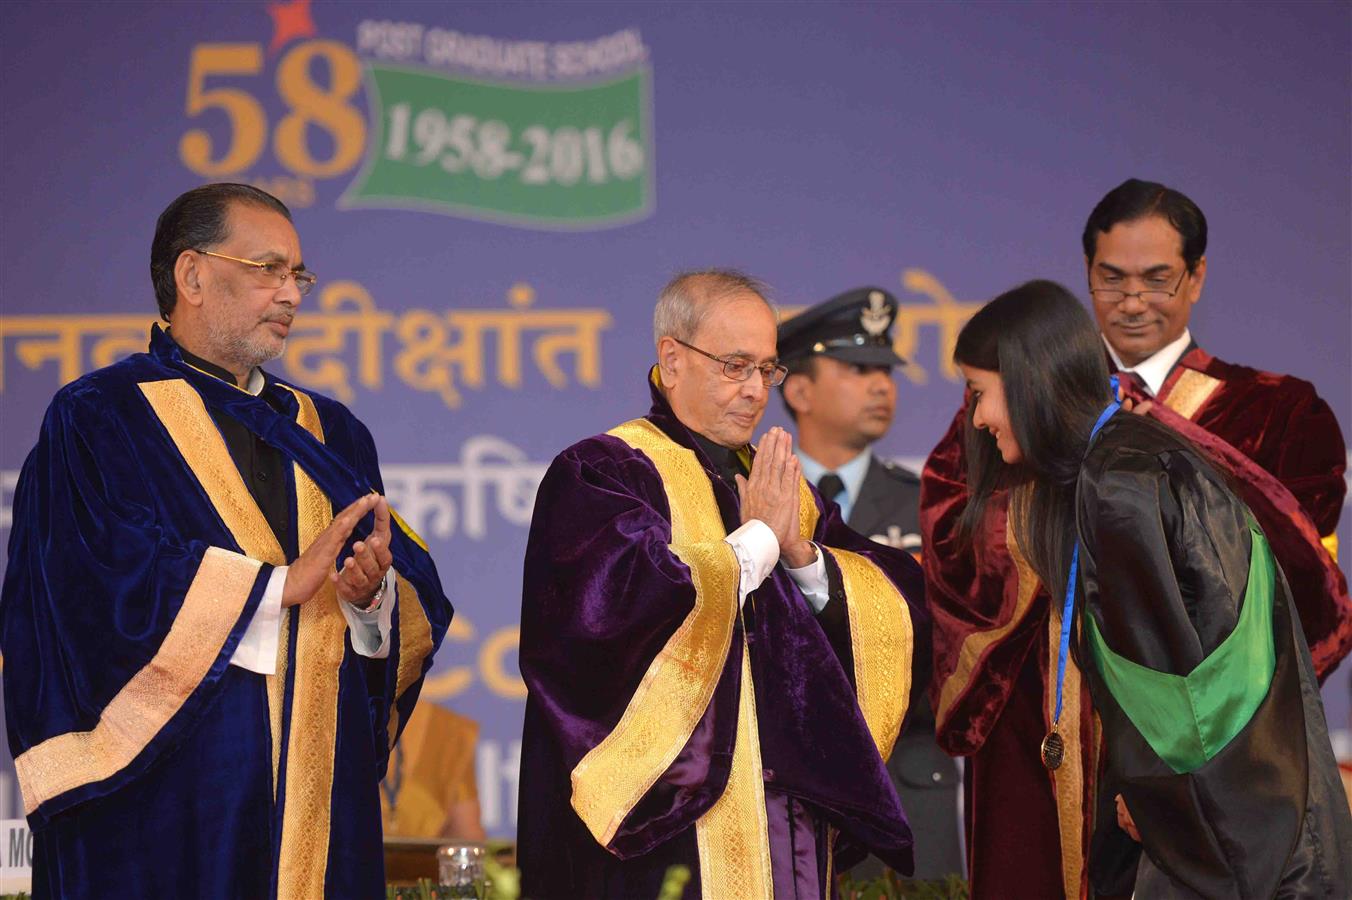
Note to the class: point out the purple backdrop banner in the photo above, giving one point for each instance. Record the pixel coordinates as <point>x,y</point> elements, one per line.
<point>493,194</point>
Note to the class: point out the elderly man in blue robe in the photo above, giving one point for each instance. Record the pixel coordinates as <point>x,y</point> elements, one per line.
<point>212,632</point>
<point>717,666</point>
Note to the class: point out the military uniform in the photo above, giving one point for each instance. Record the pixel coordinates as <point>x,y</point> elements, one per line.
<point>888,507</point>
<point>855,327</point>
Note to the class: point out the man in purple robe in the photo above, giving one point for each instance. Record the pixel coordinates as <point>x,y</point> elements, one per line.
<point>717,665</point>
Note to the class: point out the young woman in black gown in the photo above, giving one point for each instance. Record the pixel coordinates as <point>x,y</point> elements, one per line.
<point>1216,749</point>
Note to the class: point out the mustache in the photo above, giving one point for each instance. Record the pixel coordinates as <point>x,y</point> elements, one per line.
<point>284,317</point>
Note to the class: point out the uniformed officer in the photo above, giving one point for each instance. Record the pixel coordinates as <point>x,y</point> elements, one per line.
<point>841,397</point>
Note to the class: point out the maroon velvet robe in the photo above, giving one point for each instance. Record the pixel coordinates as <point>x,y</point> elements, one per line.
<point>995,627</point>
<point>666,726</point>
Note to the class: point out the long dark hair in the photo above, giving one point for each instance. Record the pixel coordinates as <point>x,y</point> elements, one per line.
<point>1055,373</point>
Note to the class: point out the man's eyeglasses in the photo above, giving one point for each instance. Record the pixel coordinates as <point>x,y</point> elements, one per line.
<point>1114,296</point>
<point>740,369</point>
<point>272,274</point>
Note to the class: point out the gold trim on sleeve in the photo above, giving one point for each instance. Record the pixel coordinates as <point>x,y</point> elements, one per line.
<point>415,643</point>
<point>882,643</point>
<point>145,704</point>
<point>676,689</point>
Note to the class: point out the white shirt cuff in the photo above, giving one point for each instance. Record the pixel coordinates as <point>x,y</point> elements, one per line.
<point>370,631</point>
<point>811,580</point>
<point>757,551</point>
<point>257,649</point>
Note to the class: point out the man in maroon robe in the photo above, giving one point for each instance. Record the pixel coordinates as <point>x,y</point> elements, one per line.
<point>995,628</point>
<point>717,665</point>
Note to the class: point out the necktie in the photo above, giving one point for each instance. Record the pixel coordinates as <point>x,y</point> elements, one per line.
<point>830,486</point>
<point>729,466</point>
<point>1135,386</point>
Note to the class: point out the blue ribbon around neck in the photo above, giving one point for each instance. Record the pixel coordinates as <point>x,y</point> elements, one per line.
<point>1068,608</point>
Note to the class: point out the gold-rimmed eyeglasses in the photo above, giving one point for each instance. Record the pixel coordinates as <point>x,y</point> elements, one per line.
<point>272,274</point>
<point>1114,296</point>
<point>740,368</point>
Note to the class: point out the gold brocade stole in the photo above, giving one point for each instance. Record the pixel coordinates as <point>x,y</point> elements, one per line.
<point>321,638</point>
<point>733,835</point>
<point>1190,393</point>
<point>882,643</point>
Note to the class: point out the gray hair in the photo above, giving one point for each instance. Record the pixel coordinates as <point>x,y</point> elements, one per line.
<point>688,299</point>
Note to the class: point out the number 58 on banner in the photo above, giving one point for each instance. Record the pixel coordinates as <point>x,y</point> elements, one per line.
<point>537,155</point>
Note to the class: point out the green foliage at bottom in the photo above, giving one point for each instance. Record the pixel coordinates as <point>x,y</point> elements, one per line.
<point>891,886</point>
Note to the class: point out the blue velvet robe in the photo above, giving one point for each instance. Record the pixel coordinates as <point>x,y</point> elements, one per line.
<point>149,766</point>
<point>663,726</point>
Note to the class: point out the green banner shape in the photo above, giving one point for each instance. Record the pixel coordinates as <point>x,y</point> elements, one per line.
<point>537,155</point>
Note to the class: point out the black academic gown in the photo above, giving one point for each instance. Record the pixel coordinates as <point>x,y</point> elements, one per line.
<point>1211,713</point>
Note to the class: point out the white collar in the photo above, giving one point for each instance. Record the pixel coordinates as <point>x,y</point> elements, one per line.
<point>1157,367</point>
<point>256,382</point>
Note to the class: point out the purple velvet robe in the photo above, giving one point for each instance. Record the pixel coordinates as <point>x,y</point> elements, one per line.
<point>614,789</point>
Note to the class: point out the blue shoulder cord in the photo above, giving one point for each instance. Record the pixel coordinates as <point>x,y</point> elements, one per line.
<point>1052,750</point>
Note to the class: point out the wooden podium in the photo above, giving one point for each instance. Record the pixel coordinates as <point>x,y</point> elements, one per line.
<point>408,859</point>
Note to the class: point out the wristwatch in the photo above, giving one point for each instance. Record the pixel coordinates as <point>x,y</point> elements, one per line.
<point>374,603</point>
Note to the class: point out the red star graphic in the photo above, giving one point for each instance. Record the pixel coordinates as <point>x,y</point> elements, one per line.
<point>290,20</point>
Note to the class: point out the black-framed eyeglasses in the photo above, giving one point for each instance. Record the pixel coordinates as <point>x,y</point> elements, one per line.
<point>1114,296</point>
<point>740,369</point>
<point>272,274</point>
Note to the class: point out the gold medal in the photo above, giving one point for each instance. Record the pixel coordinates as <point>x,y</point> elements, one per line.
<point>1053,750</point>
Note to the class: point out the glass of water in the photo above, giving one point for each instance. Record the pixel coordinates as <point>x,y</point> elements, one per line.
<point>461,869</point>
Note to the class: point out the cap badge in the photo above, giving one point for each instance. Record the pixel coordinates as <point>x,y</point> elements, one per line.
<point>877,315</point>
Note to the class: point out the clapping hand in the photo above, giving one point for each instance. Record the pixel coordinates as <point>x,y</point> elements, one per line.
<point>361,574</point>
